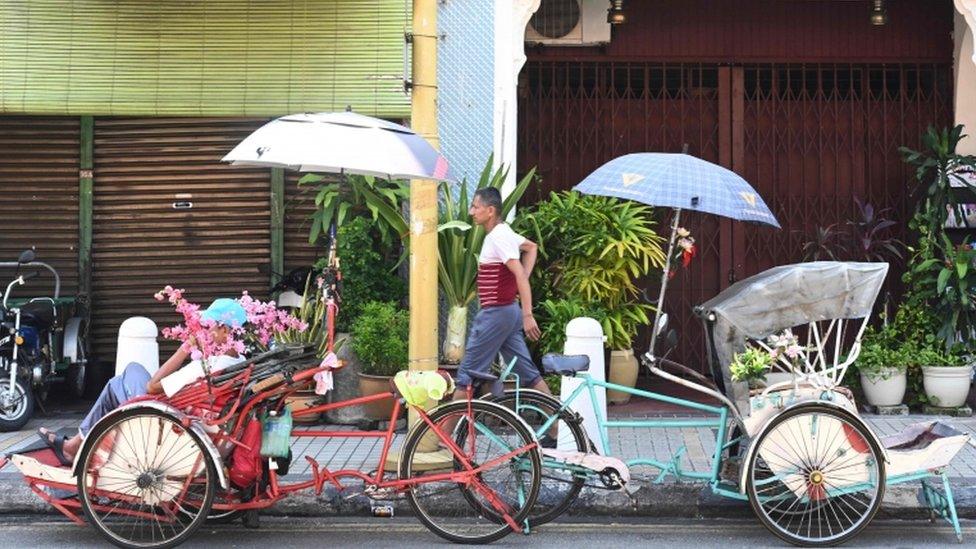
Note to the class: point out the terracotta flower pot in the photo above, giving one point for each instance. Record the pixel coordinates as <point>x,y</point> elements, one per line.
<point>623,371</point>
<point>372,385</point>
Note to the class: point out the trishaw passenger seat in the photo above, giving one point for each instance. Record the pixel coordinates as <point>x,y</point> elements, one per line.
<point>565,365</point>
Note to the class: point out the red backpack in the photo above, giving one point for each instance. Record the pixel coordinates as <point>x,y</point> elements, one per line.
<point>246,461</point>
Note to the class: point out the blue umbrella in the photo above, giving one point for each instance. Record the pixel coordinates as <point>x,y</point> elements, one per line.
<point>679,181</point>
<point>682,182</point>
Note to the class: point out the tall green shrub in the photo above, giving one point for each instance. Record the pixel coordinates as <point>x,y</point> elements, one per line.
<point>368,270</point>
<point>379,338</point>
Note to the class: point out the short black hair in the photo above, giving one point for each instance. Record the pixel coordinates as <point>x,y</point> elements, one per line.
<point>490,196</point>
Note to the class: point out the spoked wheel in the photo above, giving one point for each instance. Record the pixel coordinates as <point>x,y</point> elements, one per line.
<point>561,484</point>
<point>16,403</point>
<point>816,476</point>
<point>472,508</point>
<point>145,480</point>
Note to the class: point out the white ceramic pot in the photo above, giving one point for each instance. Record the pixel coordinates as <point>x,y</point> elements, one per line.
<point>885,392</point>
<point>947,386</point>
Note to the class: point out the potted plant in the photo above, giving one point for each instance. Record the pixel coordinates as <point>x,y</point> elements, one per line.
<point>592,250</point>
<point>379,339</point>
<point>458,244</point>
<point>751,366</point>
<point>883,368</point>
<point>945,375</point>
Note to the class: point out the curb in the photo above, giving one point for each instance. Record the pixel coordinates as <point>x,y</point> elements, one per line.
<point>657,501</point>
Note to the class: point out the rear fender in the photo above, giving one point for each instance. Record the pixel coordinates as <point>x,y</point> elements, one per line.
<point>177,416</point>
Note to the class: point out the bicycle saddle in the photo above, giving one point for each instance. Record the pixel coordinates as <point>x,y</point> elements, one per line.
<point>565,365</point>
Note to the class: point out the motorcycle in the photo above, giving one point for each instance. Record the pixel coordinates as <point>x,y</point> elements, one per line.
<point>42,341</point>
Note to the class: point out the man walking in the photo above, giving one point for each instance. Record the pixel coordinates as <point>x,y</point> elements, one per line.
<point>502,324</point>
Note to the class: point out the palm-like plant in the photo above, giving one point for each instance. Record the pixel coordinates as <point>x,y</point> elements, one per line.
<point>458,244</point>
<point>335,199</point>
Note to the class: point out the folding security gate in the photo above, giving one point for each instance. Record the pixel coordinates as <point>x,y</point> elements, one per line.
<point>808,137</point>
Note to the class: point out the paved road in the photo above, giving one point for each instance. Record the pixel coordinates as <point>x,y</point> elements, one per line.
<point>405,533</point>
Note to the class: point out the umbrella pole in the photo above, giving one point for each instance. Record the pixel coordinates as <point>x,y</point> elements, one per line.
<point>664,278</point>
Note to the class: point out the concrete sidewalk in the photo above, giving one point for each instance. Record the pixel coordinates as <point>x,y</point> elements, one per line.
<point>683,499</point>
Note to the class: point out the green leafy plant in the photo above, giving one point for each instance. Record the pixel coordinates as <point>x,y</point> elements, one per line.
<point>750,365</point>
<point>592,249</point>
<point>338,199</point>
<point>379,338</point>
<point>458,243</point>
<point>937,166</point>
<point>368,270</point>
<point>941,274</point>
<point>553,316</point>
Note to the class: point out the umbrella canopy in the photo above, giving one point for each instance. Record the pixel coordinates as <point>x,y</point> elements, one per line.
<point>341,142</point>
<point>679,181</point>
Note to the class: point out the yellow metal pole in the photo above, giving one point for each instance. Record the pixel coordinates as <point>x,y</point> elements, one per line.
<point>423,192</point>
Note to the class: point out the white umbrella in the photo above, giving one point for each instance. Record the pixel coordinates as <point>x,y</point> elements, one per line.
<point>341,142</point>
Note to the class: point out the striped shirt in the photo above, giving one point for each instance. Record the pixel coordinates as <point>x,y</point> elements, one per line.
<point>496,282</point>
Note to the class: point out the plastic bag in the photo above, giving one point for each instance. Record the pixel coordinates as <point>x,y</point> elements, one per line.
<point>276,433</point>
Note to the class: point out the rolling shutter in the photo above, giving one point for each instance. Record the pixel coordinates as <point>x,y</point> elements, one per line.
<point>299,207</point>
<point>39,159</point>
<point>167,211</point>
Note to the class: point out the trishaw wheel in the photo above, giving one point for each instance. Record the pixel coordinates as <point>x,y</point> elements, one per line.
<point>508,486</point>
<point>816,476</point>
<point>145,481</point>
<point>560,486</point>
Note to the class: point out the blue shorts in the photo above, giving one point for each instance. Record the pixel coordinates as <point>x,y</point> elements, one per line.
<point>494,330</point>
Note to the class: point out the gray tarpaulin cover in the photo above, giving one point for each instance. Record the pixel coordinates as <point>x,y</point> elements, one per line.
<point>785,297</point>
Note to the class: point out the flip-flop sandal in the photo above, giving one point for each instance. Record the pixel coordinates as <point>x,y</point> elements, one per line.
<point>56,445</point>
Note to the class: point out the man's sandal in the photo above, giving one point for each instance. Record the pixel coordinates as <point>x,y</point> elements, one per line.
<point>56,444</point>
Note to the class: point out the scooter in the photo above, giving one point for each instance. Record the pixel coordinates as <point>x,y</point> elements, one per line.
<point>38,346</point>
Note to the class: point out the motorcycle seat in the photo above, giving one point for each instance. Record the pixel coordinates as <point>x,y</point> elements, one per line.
<point>40,314</point>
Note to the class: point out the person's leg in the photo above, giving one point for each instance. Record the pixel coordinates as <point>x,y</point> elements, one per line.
<point>484,340</point>
<point>515,347</point>
<point>129,384</point>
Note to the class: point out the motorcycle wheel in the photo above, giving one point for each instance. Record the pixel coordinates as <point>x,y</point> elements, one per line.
<point>17,415</point>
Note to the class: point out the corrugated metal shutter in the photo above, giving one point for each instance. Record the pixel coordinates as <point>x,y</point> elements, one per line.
<point>39,159</point>
<point>299,206</point>
<point>213,58</point>
<point>141,242</point>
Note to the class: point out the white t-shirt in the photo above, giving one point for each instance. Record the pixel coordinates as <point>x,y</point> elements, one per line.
<point>501,245</point>
<point>496,283</point>
<point>194,371</point>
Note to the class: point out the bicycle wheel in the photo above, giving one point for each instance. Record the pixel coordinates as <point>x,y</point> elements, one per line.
<point>561,484</point>
<point>504,491</point>
<point>145,480</point>
<point>816,476</point>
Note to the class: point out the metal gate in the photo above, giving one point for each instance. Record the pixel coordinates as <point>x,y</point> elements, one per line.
<point>809,137</point>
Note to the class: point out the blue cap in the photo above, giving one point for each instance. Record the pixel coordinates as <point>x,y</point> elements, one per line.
<point>226,311</point>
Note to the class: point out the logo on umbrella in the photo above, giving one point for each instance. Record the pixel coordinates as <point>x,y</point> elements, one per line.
<point>631,178</point>
<point>750,198</point>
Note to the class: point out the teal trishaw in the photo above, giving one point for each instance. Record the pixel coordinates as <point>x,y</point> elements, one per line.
<point>813,471</point>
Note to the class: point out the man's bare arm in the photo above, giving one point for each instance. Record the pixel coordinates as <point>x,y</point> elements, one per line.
<point>529,251</point>
<point>529,324</point>
<point>174,363</point>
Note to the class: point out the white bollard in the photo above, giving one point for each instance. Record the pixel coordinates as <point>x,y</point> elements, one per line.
<point>584,336</point>
<point>137,343</point>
